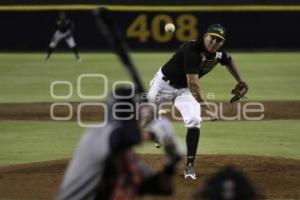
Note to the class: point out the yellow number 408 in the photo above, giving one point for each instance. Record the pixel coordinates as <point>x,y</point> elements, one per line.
<point>186,28</point>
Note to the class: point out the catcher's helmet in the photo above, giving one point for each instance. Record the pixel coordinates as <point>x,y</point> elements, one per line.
<point>228,184</point>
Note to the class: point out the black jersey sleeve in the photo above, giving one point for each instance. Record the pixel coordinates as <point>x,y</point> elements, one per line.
<point>226,58</point>
<point>192,61</point>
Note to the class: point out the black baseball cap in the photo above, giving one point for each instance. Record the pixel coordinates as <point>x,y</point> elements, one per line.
<point>216,30</point>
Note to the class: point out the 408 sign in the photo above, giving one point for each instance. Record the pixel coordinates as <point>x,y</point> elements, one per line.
<point>150,27</point>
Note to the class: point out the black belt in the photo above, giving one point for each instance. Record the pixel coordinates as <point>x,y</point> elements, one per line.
<point>170,83</point>
<point>165,79</point>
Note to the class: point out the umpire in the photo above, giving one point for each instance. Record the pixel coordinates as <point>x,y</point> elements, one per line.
<point>104,165</point>
<point>178,79</point>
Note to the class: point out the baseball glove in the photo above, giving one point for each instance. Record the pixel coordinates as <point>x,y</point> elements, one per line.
<point>239,92</point>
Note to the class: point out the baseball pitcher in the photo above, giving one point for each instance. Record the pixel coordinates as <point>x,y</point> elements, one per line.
<point>178,79</point>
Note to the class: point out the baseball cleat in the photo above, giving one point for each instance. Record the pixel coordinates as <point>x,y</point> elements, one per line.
<point>189,172</point>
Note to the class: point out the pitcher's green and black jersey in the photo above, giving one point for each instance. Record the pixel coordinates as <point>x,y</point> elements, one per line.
<point>64,25</point>
<point>192,58</point>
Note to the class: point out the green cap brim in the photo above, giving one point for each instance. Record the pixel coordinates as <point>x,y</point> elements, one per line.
<point>217,35</point>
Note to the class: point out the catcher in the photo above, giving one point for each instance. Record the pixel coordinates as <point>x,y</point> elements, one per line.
<point>179,77</point>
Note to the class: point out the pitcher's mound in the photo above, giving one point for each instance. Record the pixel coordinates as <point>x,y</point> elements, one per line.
<point>274,177</point>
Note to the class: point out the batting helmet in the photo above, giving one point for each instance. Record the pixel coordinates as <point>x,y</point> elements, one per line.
<point>122,103</point>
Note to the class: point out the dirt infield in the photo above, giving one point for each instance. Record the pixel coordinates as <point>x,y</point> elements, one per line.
<point>41,111</point>
<point>276,178</point>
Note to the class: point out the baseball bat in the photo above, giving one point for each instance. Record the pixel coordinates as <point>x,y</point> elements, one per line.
<point>108,28</point>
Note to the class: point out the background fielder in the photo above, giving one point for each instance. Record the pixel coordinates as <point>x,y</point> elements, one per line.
<point>178,79</point>
<point>63,30</point>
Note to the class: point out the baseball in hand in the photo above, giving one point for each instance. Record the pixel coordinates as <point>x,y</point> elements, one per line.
<point>169,27</point>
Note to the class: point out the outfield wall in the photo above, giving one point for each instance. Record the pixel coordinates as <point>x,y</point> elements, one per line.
<point>28,28</point>
<point>151,2</point>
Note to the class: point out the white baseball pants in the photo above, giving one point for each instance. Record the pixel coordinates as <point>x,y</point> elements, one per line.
<point>160,91</point>
<point>58,36</point>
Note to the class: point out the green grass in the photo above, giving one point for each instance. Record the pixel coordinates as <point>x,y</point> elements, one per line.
<point>276,138</point>
<point>27,77</point>
<point>27,141</point>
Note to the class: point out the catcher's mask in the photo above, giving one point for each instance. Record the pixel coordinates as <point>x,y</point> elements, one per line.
<point>122,104</point>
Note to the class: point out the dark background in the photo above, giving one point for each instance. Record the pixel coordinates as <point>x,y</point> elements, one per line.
<point>153,2</point>
<point>32,30</point>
